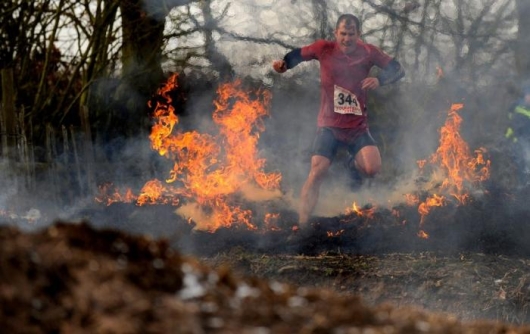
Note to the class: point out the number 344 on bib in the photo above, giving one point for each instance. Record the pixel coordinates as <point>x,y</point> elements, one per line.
<point>345,102</point>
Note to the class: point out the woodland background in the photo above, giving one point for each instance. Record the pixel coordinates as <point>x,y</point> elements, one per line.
<point>77,77</point>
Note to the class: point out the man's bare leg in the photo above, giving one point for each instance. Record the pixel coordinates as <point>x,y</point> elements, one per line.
<point>368,161</point>
<point>311,188</point>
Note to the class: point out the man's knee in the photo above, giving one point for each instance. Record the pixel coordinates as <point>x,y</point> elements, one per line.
<point>368,161</point>
<point>371,171</point>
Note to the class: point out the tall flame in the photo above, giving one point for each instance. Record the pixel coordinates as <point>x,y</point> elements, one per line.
<point>208,169</point>
<point>453,156</point>
<point>453,160</point>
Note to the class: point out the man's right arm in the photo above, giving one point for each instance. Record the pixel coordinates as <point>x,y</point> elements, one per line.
<point>290,60</point>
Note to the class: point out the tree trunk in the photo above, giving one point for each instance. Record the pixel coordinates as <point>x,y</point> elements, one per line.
<point>143,23</point>
<point>142,44</point>
<point>218,60</point>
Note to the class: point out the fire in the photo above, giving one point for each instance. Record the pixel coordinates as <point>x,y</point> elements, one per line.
<point>422,234</point>
<point>154,192</point>
<point>455,171</point>
<point>166,118</point>
<point>430,202</point>
<point>108,195</point>
<point>367,212</point>
<point>454,158</point>
<point>240,121</point>
<point>209,169</point>
<point>458,168</point>
<point>412,199</point>
<point>271,221</point>
<point>332,234</point>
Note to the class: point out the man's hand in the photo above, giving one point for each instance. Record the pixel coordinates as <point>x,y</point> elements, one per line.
<point>370,83</point>
<point>279,66</point>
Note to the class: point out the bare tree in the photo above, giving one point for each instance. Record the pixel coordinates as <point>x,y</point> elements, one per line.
<point>218,60</point>
<point>321,15</point>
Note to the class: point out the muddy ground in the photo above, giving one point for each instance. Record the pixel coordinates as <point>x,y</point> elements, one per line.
<point>346,274</point>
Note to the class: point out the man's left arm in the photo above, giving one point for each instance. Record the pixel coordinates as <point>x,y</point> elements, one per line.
<point>391,73</point>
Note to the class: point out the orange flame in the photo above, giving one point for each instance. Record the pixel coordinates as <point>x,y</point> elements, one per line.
<point>332,234</point>
<point>425,207</point>
<point>367,212</point>
<point>154,192</point>
<point>271,221</point>
<point>166,118</point>
<point>208,169</point>
<point>454,161</point>
<point>422,234</point>
<point>109,195</point>
<point>453,156</point>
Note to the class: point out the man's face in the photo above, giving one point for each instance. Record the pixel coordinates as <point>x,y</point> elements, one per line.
<point>346,35</point>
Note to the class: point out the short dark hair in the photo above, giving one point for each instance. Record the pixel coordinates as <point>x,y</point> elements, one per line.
<point>349,19</point>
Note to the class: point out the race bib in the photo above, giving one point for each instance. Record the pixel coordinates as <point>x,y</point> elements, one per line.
<point>345,102</point>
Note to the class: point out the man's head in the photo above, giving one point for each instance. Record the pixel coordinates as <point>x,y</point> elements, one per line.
<point>349,19</point>
<point>347,31</point>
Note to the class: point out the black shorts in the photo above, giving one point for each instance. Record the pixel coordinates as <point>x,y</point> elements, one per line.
<point>326,143</point>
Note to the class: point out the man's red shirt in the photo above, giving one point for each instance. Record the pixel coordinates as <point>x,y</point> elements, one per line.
<point>343,102</point>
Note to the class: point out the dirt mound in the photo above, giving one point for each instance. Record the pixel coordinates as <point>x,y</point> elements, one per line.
<point>73,278</point>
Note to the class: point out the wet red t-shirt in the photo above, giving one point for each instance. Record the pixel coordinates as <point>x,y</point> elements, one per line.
<point>342,101</point>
